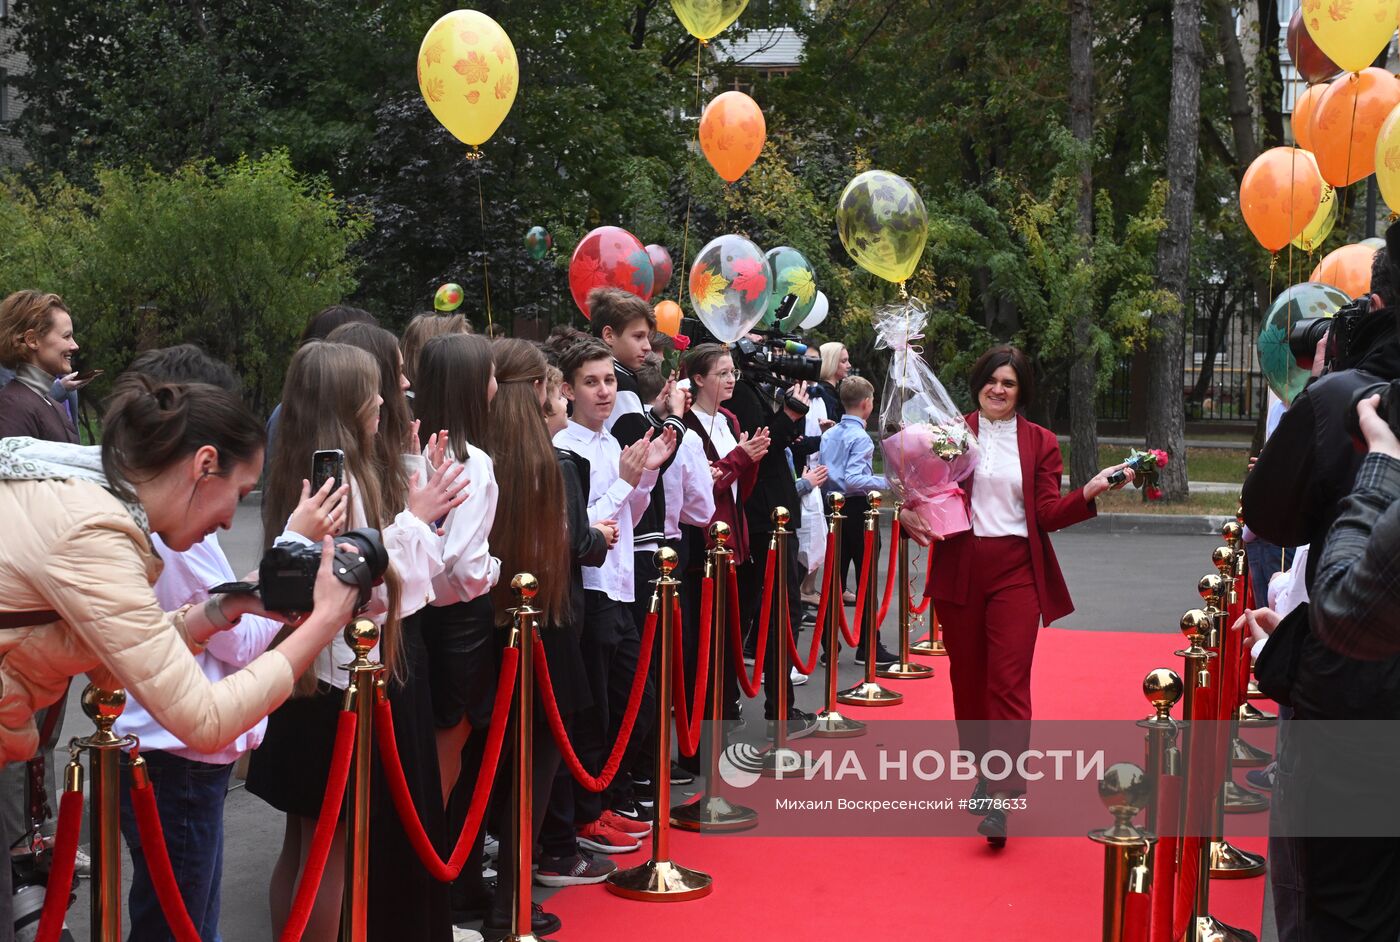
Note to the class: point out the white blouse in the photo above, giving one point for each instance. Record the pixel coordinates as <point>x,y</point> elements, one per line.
<point>721,436</point>
<point>998,502</point>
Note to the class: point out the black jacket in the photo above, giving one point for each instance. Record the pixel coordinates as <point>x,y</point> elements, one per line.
<point>634,422</point>
<point>776,485</point>
<point>1293,496</point>
<point>586,548</point>
<point>827,394</point>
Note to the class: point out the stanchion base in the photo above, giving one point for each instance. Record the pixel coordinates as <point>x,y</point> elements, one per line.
<point>1253,717</point>
<point>1240,800</point>
<point>1243,755</point>
<point>713,814</point>
<point>832,725</point>
<point>928,648</point>
<point>1228,862</point>
<point>660,881</point>
<point>527,937</point>
<point>869,694</point>
<point>906,671</point>
<point>1210,929</point>
<point>781,763</point>
<point>1253,692</point>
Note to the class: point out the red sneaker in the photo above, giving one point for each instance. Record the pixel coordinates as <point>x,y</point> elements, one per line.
<point>606,840</point>
<point>626,825</point>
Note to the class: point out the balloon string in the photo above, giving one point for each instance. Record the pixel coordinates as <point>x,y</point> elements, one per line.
<point>485,264</point>
<point>690,180</point>
<point>1351,141</point>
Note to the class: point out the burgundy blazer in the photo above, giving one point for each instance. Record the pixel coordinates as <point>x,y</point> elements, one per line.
<point>736,466</point>
<point>1046,512</point>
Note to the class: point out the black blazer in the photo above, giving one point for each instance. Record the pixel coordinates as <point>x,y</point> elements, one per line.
<point>586,548</point>
<point>776,486</point>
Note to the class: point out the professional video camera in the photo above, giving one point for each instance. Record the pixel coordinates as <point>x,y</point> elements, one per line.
<point>1338,329</point>
<point>777,360</point>
<point>287,573</point>
<point>1388,409</point>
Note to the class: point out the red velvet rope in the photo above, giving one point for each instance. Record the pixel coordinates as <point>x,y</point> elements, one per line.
<point>65,851</point>
<point>853,637</point>
<point>688,719</point>
<point>446,872</point>
<point>310,884</point>
<point>1136,915</point>
<point>892,573</point>
<point>172,904</point>
<point>1164,857</point>
<point>629,719</point>
<point>751,685</point>
<point>1201,785</point>
<point>810,664</point>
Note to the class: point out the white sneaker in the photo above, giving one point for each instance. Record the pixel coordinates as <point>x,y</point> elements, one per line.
<point>798,678</point>
<point>82,864</point>
<point>491,846</point>
<point>465,935</point>
<point>488,872</point>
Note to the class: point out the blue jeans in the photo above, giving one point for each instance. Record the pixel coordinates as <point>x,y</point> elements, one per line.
<point>1265,559</point>
<point>190,797</point>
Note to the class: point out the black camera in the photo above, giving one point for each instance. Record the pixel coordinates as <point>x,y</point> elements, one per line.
<point>287,573</point>
<point>777,360</point>
<point>1388,409</point>
<point>1338,329</point>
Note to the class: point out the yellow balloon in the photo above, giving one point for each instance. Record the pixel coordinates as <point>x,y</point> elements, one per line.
<point>883,224</point>
<point>1351,32</point>
<point>706,19</point>
<point>1388,159</point>
<point>468,74</point>
<point>1323,221</point>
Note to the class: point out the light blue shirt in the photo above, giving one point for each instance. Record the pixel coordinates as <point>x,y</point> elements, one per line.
<point>847,452</point>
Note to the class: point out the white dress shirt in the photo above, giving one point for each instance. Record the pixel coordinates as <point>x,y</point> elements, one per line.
<point>721,437</point>
<point>469,569</point>
<point>690,491</point>
<point>609,498</point>
<point>998,502</point>
<point>186,580</point>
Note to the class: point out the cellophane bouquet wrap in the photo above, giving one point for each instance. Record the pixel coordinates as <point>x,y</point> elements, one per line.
<point>929,449</point>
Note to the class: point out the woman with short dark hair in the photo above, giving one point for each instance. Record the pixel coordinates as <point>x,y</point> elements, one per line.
<point>995,583</point>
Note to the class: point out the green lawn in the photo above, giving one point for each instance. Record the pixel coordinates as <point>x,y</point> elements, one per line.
<point>1130,501</point>
<point>1224,465</point>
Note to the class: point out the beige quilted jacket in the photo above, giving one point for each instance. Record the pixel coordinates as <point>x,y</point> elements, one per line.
<point>71,547</point>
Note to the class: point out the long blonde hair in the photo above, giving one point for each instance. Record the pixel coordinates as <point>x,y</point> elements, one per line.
<point>327,397</point>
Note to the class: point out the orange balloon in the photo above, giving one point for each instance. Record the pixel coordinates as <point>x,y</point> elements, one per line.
<point>668,318</point>
<point>1279,195</point>
<point>1347,121</point>
<point>732,131</point>
<point>1347,268</point>
<point>1305,115</point>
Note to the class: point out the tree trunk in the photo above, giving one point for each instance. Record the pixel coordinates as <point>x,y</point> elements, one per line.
<point>1083,375</point>
<point>1166,420</point>
<point>1271,74</point>
<point>1237,87</point>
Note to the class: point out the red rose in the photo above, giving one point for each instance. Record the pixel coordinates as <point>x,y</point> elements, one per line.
<point>681,342</point>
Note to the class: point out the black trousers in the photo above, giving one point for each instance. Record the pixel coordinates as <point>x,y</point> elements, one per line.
<point>546,763</point>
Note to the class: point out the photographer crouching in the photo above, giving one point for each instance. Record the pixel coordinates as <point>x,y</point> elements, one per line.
<point>1332,878</point>
<point>77,565</point>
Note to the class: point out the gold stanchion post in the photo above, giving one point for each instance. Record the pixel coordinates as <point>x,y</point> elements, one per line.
<point>906,669</point>
<point>660,880</point>
<point>830,723</point>
<point>932,646</point>
<point>780,760</point>
<point>712,811</point>
<point>522,718</point>
<point>1242,754</point>
<point>1249,715</point>
<point>868,692</point>
<point>1125,791</point>
<point>361,635</point>
<point>1163,689</point>
<point>104,748</point>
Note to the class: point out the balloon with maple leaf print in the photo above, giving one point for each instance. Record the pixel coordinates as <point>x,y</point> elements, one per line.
<point>448,298</point>
<point>792,274</point>
<point>661,266</point>
<point>1310,61</point>
<point>1347,268</point>
<point>732,132</point>
<point>609,257</point>
<point>883,224</point>
<point>538,242</point>
<point>1279,195</point>
<point>468,74</point>
<point>1388,159</point>
<point>730,287</point>
<point>1347,122</point>
<point>1350,32</point>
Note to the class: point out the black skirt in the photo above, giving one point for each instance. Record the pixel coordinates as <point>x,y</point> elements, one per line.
<point>290,769</point>
<point>464,659</point>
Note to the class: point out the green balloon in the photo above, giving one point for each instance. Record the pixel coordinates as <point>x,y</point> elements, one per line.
<point>538,242</point>
<point>1308,299</point>
<point>792,274</point>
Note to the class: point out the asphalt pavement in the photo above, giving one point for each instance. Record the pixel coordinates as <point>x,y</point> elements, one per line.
<point>1140,580</point>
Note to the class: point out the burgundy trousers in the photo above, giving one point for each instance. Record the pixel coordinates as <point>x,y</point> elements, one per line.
<point>991,642</point>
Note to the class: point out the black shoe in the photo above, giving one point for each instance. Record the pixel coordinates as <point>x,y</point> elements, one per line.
<point>541,924</point>
<point>993,827</point>
<point>800,724</point>
<point>980,802</point>
<point>883,657</point>
<point>643,792</point>
<point>633,810</point>
<point>471,907</point>
<point>680,776</point>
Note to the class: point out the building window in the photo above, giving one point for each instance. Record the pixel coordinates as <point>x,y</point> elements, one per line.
<point>4,8</point>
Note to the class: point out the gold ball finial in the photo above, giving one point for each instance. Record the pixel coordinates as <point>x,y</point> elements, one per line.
<point>838,502</point>
<point>1162,688</point>
<point>1223,557</point>
<point>1195,622</point>
<point>525,586</point>
<point>103,706</point>
<point>781,516</point>
<point>362,635</point>
<point>667,560</point>
<point>875,498</point>
<point>1124,791</point>
<point>720,532</point>
<point>1210,586</point>
<point>1231,531</point>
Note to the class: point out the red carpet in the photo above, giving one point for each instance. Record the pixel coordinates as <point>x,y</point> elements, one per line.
<point>937,888</point>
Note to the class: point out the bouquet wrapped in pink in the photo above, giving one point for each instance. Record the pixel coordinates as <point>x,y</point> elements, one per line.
<point>928,448</point>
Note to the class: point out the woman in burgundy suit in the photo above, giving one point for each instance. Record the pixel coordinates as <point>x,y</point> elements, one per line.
<point>995,584</point>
